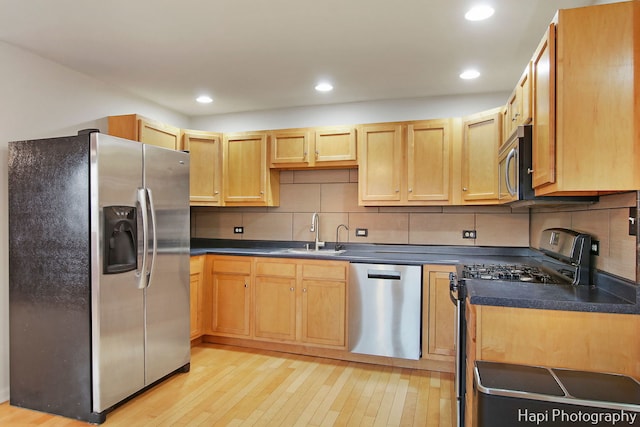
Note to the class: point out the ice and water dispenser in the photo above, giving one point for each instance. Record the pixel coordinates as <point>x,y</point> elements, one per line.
<point>120,239</point>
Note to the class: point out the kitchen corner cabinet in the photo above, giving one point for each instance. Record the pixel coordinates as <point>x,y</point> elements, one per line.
<point>405,163</point>
<point>301,301</point>
<point>313,147</point>
<point>438,320</point>
<point>247,179</point>
<point>480,142</point>
<point>585,88</point>
<point>205,172</point>
<point>138,128</point>
<point>195,293</point>
<point>227,298</point>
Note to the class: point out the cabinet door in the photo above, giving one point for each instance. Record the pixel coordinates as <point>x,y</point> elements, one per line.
<point>323,312</point>
<point>380,171</point>
<point>158,134</point>
<point>335,144</point>
<point>231,304</point>
<point>480,157</point>
<point>440,327</point>
<point>275,308</point>
<point>428,167</point>
<point>205,178</point>
<point>290,147</point>
<point>195,295</point>
<point>543,104</point>
<point>245,168</point>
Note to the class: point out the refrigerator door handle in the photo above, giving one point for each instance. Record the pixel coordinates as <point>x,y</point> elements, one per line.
<point>154,247</point>
<point>142,271</point>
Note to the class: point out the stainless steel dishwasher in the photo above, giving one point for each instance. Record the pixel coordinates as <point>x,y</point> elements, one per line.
<point>385,310</point>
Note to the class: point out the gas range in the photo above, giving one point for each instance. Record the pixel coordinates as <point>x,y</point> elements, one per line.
<point>565,260</point>
<point>512,273</point>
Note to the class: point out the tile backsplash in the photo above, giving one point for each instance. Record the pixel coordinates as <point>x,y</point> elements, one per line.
<point>607,221</point>
<point>334,195</point>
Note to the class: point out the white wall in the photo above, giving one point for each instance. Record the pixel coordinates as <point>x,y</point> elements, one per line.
<point>351,113</point>
<point>40,98</point>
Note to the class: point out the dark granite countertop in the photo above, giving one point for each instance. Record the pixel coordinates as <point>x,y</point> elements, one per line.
<point>610,295</point>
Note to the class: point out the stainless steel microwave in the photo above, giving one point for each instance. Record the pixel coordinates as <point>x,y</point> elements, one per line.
<point>514,174</point>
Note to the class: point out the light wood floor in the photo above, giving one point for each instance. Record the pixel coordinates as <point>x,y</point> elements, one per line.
<point>230,386</point>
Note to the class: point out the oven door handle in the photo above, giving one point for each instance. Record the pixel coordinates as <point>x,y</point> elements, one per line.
<point>513,154</point>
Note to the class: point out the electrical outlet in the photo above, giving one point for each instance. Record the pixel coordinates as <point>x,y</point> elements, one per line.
<point>362,232</point>
<point>238,230</point>
<point>595,247</point>
<point>468,234</point>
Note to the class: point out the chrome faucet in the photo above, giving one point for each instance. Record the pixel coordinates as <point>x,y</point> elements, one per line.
<point>338,245</point>
<point>315,226</point>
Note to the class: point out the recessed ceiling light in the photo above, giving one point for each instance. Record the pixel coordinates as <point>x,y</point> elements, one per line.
<point>470,74</point>
<point>324,87</point>
<point>204,99</point>
<point>478,13</point>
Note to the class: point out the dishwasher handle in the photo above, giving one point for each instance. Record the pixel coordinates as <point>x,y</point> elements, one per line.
<point>384,274</point>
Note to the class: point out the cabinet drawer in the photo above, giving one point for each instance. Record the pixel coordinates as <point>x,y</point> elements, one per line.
<point>325,271</point>
<point>195,264</point>
<point>231,265</point>
<point>277,268</point>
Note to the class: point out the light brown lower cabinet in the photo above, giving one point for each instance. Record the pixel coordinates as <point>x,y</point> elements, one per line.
<point>600,342</point>
<point>227,298</point>
<point>195,292</point>
<point>278,300</point>
<point>438,316</point>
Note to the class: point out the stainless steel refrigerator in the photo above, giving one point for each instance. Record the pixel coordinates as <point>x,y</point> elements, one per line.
<point>98,271</point>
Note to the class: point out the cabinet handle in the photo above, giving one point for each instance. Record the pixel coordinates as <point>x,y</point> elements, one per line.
<point>529,171</point>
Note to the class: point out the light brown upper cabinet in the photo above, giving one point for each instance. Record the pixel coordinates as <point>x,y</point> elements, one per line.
<point>247,179</point>
<point>205,184</point>
<point>138,128</point>
<point>585,120</point>
<point>543,69</point>
<point>518,111</point>
<point>405,163</point>
<point>313,147</point>
<point>480,142</point>
<point>380,164</point>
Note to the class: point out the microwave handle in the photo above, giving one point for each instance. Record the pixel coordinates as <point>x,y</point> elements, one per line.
<point>513,154</point>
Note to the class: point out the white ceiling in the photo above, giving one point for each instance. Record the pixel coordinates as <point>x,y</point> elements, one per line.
<point>264,54</point>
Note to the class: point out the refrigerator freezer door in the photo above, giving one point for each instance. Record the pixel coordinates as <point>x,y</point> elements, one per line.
<point>166,178</point>
<point>117,303</point>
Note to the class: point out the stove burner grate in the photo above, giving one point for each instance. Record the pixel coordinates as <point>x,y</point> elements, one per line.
<point>507,272</point>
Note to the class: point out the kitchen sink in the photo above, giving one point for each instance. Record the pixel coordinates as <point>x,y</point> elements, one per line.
<point>319,252</point>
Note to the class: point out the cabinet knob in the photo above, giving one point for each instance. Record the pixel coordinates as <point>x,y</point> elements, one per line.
<point>411,190</point>
<point>397,190</point>
<point>291,289</point>
<point>216,192</point>
<point>246,286</point>
<point>464,189</point>
<point>317,154</point>
<point>304,289</point>
<point>529,171</point>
